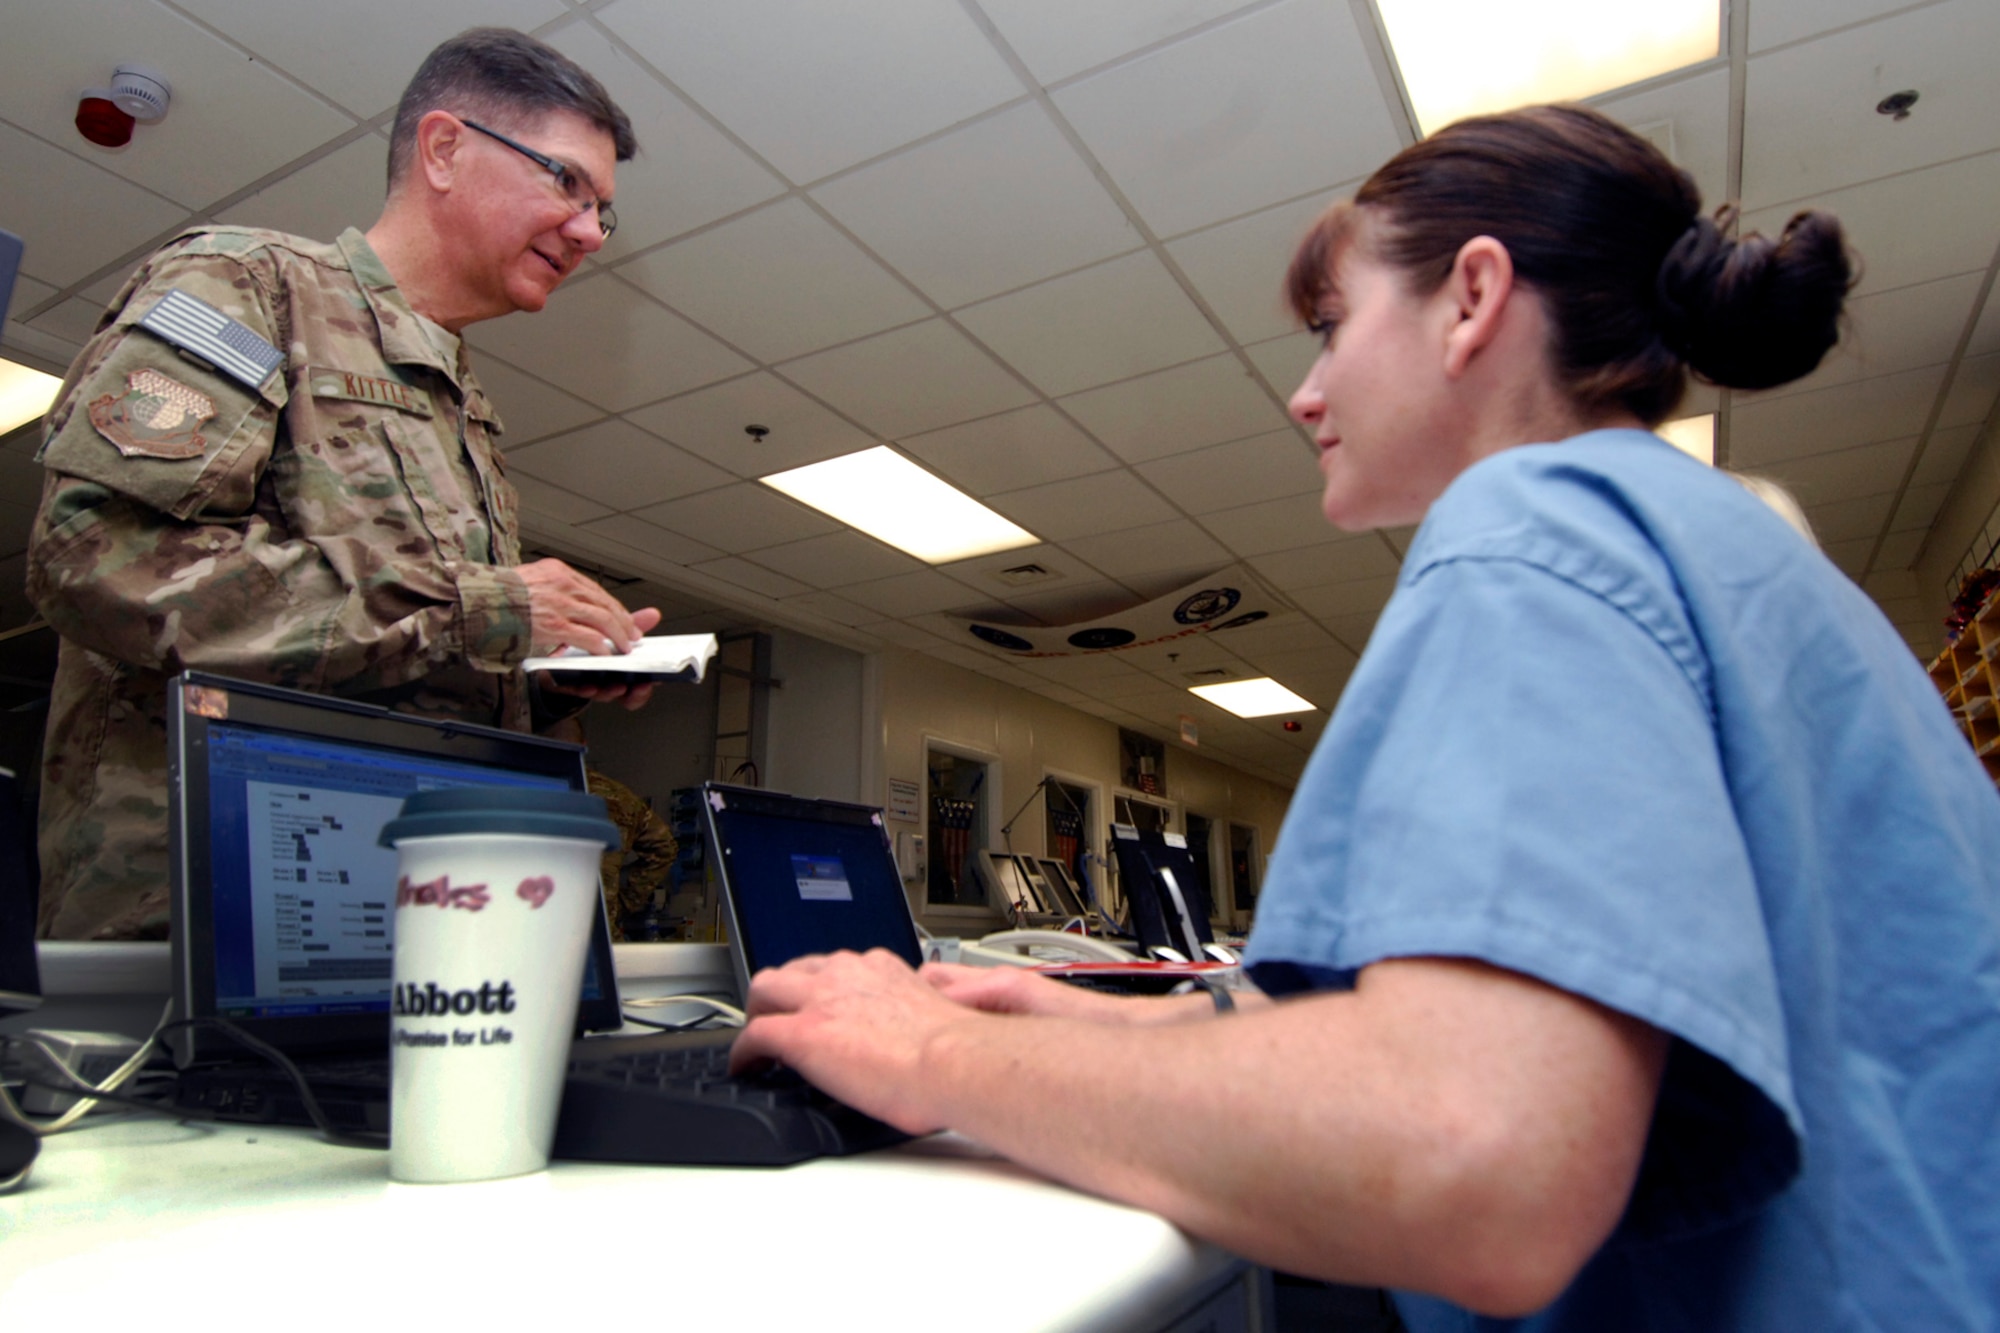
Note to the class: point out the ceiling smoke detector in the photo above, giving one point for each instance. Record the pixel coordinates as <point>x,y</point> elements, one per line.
<point>141,92</point>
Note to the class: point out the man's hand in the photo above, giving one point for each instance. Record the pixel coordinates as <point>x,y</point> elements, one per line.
<point>567,609</point>
<point>856,1025</point>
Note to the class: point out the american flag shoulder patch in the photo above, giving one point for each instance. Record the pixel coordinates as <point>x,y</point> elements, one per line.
<point>198,328</point>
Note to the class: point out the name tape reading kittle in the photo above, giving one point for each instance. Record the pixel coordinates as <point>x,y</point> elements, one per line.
<point>196,327</point>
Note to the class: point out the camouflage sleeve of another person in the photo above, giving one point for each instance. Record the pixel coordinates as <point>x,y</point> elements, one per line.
<point>649,849</point>
<point>169,538</point>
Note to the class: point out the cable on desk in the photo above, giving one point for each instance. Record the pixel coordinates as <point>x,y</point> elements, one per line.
<point>75,1083</point>
<point>343,1137</point>
<point>728,1013</point>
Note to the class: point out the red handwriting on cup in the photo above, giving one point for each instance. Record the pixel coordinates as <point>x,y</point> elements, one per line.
<point>536,891</point>
<point>440,892</point>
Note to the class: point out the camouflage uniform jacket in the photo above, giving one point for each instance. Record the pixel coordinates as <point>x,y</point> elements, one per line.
<point>640,866</point>
<point>343,528</point>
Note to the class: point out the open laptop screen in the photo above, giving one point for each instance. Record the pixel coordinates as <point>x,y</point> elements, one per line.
<point>806,876</point>
<point>283,903</point>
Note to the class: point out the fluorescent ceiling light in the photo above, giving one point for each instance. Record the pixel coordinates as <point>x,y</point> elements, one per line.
<point>1262,697</point>
<point>24,394</point>
<point>1468,57</point>
<point>1692,435</point>
<point>888,497</point>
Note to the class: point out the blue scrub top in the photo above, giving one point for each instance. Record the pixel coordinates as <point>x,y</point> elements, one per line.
<point>1623,730</point>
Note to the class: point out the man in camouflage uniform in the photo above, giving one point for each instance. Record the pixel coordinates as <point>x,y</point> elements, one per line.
<point>273,461</point>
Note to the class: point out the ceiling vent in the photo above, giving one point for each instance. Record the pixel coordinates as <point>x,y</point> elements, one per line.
<point>1021,575</point>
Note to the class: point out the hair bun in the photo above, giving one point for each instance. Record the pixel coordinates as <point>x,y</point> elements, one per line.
<point>1753,313</point>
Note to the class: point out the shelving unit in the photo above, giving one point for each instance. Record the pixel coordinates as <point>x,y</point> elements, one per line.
<point>1967,673</point>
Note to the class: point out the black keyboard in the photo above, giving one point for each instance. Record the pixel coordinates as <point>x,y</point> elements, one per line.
<point>670,1100</point>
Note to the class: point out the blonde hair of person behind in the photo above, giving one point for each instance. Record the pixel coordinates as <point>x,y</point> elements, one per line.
<point>1782,502</point>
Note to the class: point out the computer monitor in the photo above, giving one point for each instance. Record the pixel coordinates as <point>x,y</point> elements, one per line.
<point>20,978</point>
<point>1008,886</point>
<point>283,902</point>
<point>10,264</point>
<point>1157,874</point>
<point>1059,889</point>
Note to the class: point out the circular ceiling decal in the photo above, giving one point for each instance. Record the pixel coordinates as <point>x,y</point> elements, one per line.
<point>1000,638</point>
<point>1101,637</point>
<point>1207,605</point>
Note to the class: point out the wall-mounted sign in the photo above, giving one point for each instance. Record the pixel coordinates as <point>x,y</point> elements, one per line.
<point>904,800</point>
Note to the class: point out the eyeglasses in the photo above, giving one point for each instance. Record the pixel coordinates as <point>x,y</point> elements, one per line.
<point>567,180</point>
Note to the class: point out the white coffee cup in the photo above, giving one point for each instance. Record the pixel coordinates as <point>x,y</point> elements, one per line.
<point>497,890</point>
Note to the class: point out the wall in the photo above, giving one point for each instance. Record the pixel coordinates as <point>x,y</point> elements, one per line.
<point>1959,523</point>
<point>816,709</point>
<point>922,697</point>
<point>652,750</point>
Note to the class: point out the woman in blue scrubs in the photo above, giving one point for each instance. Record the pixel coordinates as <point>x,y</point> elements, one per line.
<point>1630,957</point>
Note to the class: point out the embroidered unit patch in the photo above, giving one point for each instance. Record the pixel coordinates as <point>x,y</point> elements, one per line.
<point>193,325</point>
<point>156,417</point>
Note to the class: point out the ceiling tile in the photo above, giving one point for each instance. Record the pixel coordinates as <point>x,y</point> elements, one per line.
<point>911,594</point>
<point>710,422</point>
<point>752,576</point>
<point>1174,411</point>
<point>540,500</point>
<point>316,43</point>
<point>1009,452</point>
<point>1986,333</point>
<point>1358,557</point>
<point>991,206</point>
<point>1849,520</point>
<point>1809,113</point>
<point>1970,399</point>
<point>1912,227</point>
<point>1077,603</point>
<point>1229,476</point>
<point>610,345</point>
<point>529,409</point>
<point>1119,319</point>
<point>739,518</point>
<point>1777,22</point>
<point>1899,552</point>
<point>341,190</point>
<point>1919,508</point>
<point>778,283</point>
<point>1286,632</point>
<point>28,294</point>
<point>73,321</point>
<point>829,606</point>
<point>687,172</point>
<point>904,633</point>
<point>618,465</point>
<point>1275,525</point>
<point>1844,474</point>
<point>1083,506</point>
<point>1860,412</point>
<point>837,559</point>
<point>1891,331</point>
<point>1698,111</point>
<point>1237,118</point>
<point>231,121</point>
<point>102,217</point>
<point>1058,38</point>
<point>643,536</point>
<point>912,380</point>
<point>1945,455</point>
<point>1284,361</point>
<point>1239,267</point>
<point>1177,547</point>
<point>1334,601</point>
<point>775,71</point>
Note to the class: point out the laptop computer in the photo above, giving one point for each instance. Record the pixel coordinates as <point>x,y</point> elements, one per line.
<point>282,903</point>
<point>20,977</point>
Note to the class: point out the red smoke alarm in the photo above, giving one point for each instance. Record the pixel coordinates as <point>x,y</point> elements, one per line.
<point>99,120</point>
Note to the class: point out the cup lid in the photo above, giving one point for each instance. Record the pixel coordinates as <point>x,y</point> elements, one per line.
<point>535,811</point>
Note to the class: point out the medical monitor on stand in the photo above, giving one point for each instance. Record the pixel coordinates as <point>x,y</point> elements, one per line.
<point>1157,874</point>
